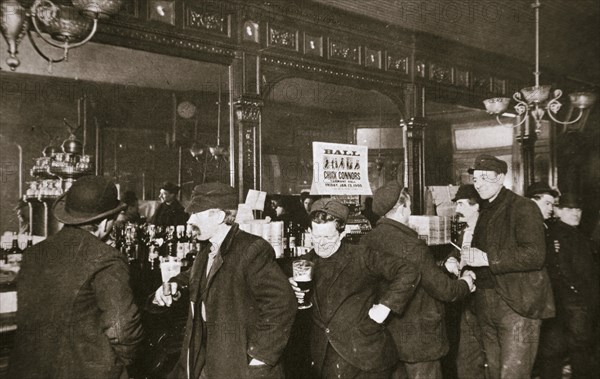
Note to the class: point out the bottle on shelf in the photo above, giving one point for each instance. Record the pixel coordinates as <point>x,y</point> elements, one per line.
<point>15,253</point>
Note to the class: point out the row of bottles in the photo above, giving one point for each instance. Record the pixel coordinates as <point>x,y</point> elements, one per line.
<point>296,240</point>
<point>14,254</point>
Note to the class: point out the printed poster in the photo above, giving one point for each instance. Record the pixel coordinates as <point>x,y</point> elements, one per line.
<point>340,169</point>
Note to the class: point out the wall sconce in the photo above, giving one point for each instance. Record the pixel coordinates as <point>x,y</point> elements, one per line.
<point>67,26</point>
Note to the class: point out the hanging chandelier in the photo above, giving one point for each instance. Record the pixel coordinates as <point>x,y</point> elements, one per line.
<point>59,25</point>
<point>534,100</point>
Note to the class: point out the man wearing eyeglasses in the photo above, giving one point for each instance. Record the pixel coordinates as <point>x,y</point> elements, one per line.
<point>513,288</point>
<point>349,338</point>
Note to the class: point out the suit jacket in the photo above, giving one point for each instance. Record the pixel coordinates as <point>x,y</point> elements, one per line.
<point>342,319</point>
<point>250,309</point>
<point>420,334</point>
<point>515,246</point>
<point>76,316</point>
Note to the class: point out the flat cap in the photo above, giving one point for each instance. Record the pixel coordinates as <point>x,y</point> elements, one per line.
<point>467,191</point>
<point>386,197</point>
<point>569,200</point>
<point>331,207</point>
<point>538,188</point>
<point>212,196</point>
<point>489,163</point>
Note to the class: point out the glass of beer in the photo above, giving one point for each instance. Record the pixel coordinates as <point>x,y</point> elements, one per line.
<point>302,272</point>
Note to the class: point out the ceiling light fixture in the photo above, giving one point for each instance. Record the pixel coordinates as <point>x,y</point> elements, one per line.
<point>67,26</point>
<point>534,100</point>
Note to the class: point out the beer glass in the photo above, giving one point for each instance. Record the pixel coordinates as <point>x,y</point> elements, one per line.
<point>302,271</point>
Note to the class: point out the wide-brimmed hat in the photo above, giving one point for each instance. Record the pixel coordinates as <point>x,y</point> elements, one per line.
<point>90,198</point>
<point>212,196</point>
<point>486,162</point>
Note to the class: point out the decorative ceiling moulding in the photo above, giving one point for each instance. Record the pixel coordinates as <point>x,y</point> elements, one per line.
<point>282,38</point>
<point>313,44</point>
<point>441,73</point>
<point>127,35</point>
<point>330,71</point>
<point>206,19</point>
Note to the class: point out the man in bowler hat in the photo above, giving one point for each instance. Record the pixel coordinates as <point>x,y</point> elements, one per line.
<point>513,289</point>
<point>241,305</point>
<point>419,333</point>
<point>77,317</point>
<point>349,338</point>
<point>575,282</point>
<point>170,211</point>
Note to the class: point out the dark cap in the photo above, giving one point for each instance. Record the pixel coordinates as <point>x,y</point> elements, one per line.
<point>212,196</point>
<point>538,188</point>
<point>386,197</point>
<point>489,163</point>
<point>569,200</point>
<point>91,198</point>
<point>331,207</point>
<point>170,187</point>
<point>467,191</point>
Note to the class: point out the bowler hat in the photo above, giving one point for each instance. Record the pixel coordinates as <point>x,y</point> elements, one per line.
<point>538,188</point>
<point>331,207</point>
<point>212,196</point>
<point>467,191</point>
<point>386,197</point>
<point>170,187</point>
<point>569,200</point>
<point>489,163</point>
<point>90,198</point>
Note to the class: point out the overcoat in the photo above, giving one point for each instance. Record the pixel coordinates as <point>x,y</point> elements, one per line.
<point>250,308</point>
<point>341,319</point>
<point>76,314</point>
<point>516,250</point>
<point>169,214</point>
<point>420,334</point>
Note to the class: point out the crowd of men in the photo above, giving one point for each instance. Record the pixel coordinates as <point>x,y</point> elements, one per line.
<point>527,285</point>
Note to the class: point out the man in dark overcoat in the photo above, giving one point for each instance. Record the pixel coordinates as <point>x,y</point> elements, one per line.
<point>513,288</point>
<point>77,317</point>
<point>575,282</point>
<point>419,333</point>
<point>349,338</point>
<point>241,305</point>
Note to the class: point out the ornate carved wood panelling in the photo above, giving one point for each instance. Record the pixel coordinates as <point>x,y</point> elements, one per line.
<point>131,8</point>
<point>283,38</point>
<point>372,58</point>
<point>420,69</point>
<point>162,11</point>
<point>313,45</point>
<point>461,77</point>
<point>441,73</point>
<point>213,21</point>
<point>498,86</point>
<point>342,51</point>
<point>396,62</point>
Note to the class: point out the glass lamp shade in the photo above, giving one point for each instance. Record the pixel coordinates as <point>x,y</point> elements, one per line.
<point>98,8</point>
<point>536,94</point>
<point>582,100</point>
<point>63,23</point>
<point>496,105</point>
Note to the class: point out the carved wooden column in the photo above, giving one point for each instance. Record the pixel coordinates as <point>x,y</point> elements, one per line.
<point>248,112</point>
<point>415,154</point>
<point>526,137</point>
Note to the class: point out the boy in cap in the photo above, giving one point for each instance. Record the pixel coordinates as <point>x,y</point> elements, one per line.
<point>544,198</point>
<point>241,306</point>
<point>513,289</point>
<point>170,211</point>
<point>421,341</point>
<point>575,281</point>
<point>348,338</point>
<point>77,317</point>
